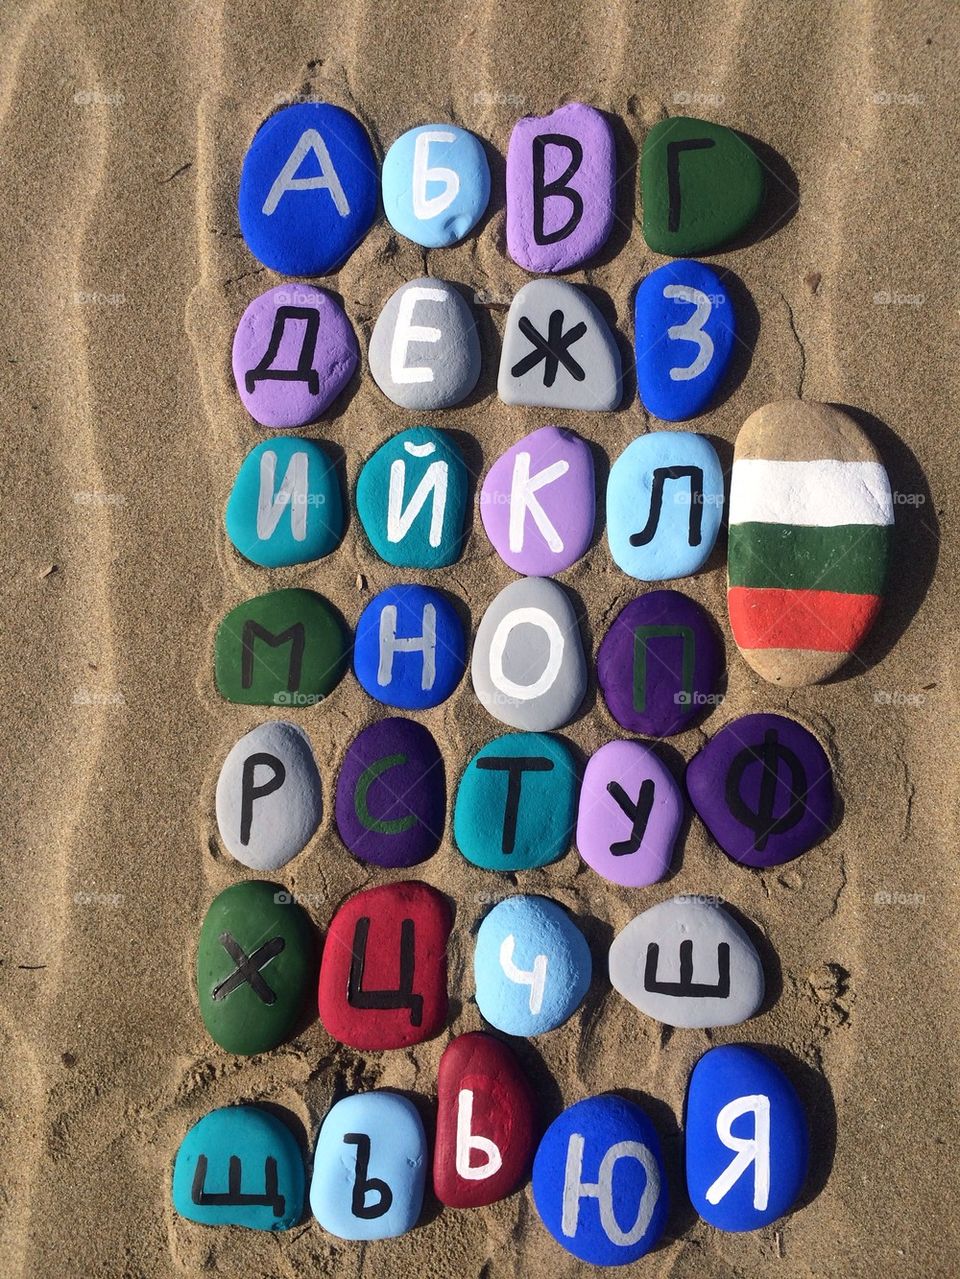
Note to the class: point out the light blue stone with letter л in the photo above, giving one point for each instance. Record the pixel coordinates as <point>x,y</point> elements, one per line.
<point>239,1166</point>
<point>664,505</point>
<point>436,184</point>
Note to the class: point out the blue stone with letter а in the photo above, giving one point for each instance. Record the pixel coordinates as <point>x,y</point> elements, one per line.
<point>531,964</point>
<point>664,505</point>
<point>599,1182</point>
<point>436,184</point>
<point>409,650</point>
<point>285,506</point>
<point>684,333</point>
<point>239,1166</point>
<point>308,189</point>
<point>369,1167</point>
<point>745,1137</point>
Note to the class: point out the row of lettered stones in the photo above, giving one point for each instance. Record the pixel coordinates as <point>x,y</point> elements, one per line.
<point>762,786</point>
<point>598,1175</point>
<point>294,350</point>
<point>810,518</point>
<point>310,187</point>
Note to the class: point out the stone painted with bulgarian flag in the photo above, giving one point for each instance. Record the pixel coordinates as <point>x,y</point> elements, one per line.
<point>811,521</point>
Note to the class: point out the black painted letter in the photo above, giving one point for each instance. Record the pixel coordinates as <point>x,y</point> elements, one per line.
<point>558,187</point>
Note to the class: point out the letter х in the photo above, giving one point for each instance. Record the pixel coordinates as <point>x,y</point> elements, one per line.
<point>248,968</point>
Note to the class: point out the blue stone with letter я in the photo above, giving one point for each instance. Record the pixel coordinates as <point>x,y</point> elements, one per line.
<point>684,330</point>
<point>599,1182</point>
<point>308,189</point>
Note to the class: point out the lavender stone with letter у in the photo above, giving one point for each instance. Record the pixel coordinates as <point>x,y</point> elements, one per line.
<point>561,170</point>
<point>659,664</point>
<point>763,787</point>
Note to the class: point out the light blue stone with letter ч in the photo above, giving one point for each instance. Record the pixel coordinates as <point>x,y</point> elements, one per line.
<point>436,184</point>
<point>745,1139</point>
<point>531,964</point>
<point>369,1167</point>
<point>684,332</point>
<point>599,1183</point>
<point>239,1166</point>
<point>285,506</point>
<point>664,505</point>
<point>308,189</point>
<point>409,650</point>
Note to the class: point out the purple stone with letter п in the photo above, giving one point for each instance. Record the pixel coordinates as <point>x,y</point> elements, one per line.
<point>659,664</point>
<point>763,787</point>
<point>561,171</point>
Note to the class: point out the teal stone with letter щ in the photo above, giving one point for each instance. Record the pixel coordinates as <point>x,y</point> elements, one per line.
<point>516,803</point>
<point>239,1166</point>
<point>284,648</point>
<point>285,506</point>
<point>412,499</point>
<point>255,962</point>
<point>701,185</point>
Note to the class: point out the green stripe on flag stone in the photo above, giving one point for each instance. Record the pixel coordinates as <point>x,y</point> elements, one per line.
<point>843,557</point>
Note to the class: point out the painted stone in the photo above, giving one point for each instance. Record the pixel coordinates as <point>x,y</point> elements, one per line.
<point>383,982</point>
<point>239,1166</point>
<point>659,664</point>
<point>561,172</point>
<point>254,963</point>
<point>485,1125</point>
<point>629,815</point>
<point>412,499</point>
<point>424,350</point>
<point>701,185</point>
<point>531,964</point>
<point>409,649</point>
<point>687,962</point>
<point>436,184</point>
<point>599,1182</point>
<point>763,787</point>
<point>558,351</point>
<point>285,506</point>
<point>369,1167</point>
<point>515,803</point>
<point>684,328</point>
<point>308,189</point>
<point>664,505</point>
<point>284,648</point>
<point>745,1139</point>
<point>811,523</point>
<point>390,805</point>
<point>293,353</point>
<point>268,796</point>
<point>528,666</point>
<point>537,502</point>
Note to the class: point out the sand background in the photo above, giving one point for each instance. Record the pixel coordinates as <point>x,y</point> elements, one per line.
<point>122,130</point>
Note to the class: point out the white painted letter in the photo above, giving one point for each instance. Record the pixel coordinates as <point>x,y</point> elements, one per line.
<point>293,492</point>
<point>406,332</point>
<point>466,1141</point>
<point>750,1150</point>
<point>575,1189</point>
<point>286,180</point>
<point>425,643</point>
<point>535,977</point>
<point>398,519</point>
<point>522,490</point>
<point>501,637</point>
<point>691,330</point>
<point>425,206</point>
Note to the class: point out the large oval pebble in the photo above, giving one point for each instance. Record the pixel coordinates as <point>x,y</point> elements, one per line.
<point>811,519</point>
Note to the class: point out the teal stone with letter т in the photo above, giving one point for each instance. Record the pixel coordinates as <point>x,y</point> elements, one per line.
<point>412,499</point>
<point>369,1167</point>
<point>284,648</point>
<point>515,803</point>
<point>255,961</point>
<point>285,506</point>
<point>239,1166</point>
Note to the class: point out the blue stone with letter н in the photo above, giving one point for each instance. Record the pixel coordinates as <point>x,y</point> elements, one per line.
<point>369,1167</point>
<point>599,1182</point>
<point>436,184</point>
<point>684,333</point>
<point>745,1138</point>
<point>239,1166</point>
<point>308,189</point>
<point>409,650</point>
